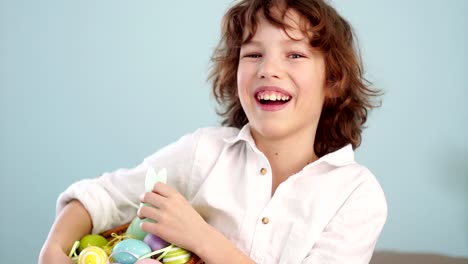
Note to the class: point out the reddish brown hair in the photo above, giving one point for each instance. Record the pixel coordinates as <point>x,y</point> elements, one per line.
<point>349,95</point>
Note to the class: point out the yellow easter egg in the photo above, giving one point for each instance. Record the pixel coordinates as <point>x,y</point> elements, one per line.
<point>177,255</point>
<point>92,255</point>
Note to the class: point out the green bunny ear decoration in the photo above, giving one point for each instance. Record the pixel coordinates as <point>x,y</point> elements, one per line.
<point>134,230</point>
<point>152,178</point>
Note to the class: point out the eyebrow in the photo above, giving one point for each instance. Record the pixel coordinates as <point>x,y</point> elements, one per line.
<point>286,41</point>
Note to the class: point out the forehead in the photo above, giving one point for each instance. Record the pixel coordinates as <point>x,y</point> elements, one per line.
<point>294,25</point>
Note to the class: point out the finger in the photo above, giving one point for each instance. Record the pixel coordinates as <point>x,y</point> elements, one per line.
<point>153,228</point>
<point>149,212</point>
<point>164,189</point>
<point>154,199</point>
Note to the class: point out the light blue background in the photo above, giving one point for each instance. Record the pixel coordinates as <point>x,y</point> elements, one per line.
<point>93,86</point>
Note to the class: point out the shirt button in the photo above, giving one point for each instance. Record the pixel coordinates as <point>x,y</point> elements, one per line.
<point>265,220</point>
<point>263,171</point>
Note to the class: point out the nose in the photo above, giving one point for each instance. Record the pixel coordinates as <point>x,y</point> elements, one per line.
<point>270,67</point>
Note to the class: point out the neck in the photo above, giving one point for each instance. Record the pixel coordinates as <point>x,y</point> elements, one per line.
<point>287,155</point>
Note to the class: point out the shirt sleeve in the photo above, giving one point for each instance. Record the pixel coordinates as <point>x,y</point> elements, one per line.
<point>352,234</point>
<point>112,199</point>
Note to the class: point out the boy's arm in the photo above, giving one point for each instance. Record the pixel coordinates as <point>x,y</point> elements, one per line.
<point>71,224</point>
<point>215,248</point>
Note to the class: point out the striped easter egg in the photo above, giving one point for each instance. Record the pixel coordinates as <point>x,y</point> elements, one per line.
<point>92,255</point>
<point>177,255</point>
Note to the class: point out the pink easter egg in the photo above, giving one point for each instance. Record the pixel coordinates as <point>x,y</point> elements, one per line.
<point>148,261</point>
<point>154,242</point>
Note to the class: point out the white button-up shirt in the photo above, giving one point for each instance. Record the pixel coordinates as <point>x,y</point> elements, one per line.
<point>330,212</point>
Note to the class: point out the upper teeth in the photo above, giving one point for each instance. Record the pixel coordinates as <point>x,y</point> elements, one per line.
<point>272,96</point>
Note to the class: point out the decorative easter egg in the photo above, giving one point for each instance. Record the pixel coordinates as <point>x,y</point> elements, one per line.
<point>155,242</point>
<point>92,255</point>
<point>134,230</point>
<point>129,250</point>
<point>148,261</point>
<point>92,240</point>
<point>177,255</point>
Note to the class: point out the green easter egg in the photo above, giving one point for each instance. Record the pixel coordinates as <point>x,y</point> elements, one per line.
<point>92,240</point>
<point>134,230</point>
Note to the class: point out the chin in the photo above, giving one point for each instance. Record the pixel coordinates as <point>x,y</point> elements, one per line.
<point>269,131</point>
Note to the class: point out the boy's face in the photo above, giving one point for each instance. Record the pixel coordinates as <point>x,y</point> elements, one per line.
<point>281,81</point>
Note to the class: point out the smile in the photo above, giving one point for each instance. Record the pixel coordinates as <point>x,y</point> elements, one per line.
<point>272,99</point>
<point>269,96</point>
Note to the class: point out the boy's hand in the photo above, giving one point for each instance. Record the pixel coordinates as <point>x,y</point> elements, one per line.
<point>175,219</point>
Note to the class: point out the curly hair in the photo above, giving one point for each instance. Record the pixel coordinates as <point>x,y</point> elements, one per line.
<point>349,94</point>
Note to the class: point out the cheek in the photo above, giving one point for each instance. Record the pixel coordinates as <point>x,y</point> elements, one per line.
<point>313,83</point>
<point>239,78</point>
<point>246,70</point>
<point>242,81</point>
<point>241,74</point>
<point>312,92</point>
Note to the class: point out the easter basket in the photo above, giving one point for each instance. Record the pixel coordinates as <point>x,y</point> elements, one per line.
<point>106,253</point>
<point>128,244</point>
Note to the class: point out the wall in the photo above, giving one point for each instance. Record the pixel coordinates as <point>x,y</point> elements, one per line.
<point>93,86</point>
<point>416,143</point>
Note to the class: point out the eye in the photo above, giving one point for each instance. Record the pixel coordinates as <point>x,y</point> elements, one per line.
<point>296,55</point>
<point>252,55</point>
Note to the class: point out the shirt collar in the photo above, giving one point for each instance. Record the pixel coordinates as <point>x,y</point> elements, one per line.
<point>243,135</point>
<point>338,158</point>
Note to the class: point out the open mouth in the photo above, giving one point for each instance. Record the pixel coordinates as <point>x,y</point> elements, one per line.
<point>272,98</point>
